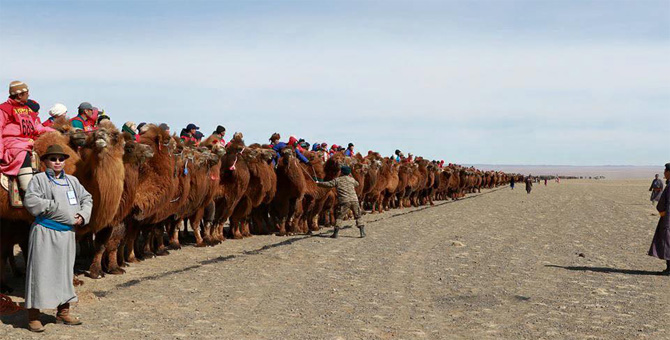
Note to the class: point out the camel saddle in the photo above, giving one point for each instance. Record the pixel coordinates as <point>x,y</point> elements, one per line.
<point>11,183</point>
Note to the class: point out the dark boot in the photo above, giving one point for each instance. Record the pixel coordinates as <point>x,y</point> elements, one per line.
<point>667,269</point>
<point>335,232</point>
<point>34,323</point>
<point>63,316</point>
<point>362,228</point>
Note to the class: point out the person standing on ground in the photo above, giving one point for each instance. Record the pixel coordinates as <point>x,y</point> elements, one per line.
<point>660,245</point>
<point>347,198</point>
<point>59,203</point>
<point>529,184</point>
<point>656,189</point>
<point>545,181</point>
<point>511,182</point>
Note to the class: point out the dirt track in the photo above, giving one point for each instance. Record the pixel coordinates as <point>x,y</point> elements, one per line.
<point>502,264</point>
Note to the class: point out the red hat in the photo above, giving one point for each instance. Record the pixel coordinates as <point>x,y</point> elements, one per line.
<point>292,140</point>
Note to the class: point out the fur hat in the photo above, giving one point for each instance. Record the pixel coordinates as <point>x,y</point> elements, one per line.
<point>57,110</point>
<point>33,105</point>
<point>17,87</point>
<point>220,129</point>
<point>164,127</point>
<point>275,136</point>
<point>345,170</point>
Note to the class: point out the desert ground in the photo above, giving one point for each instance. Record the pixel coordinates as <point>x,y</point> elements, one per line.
<point>567,261</point>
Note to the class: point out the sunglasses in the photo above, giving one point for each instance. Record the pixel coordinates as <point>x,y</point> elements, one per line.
<point>59,159</point>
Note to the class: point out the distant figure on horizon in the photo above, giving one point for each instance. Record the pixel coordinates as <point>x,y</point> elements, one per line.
<point>511,182</point>
<point>545,181</point>
<point>660,245</point>
<point>656,189</point>
<point>529,183</point>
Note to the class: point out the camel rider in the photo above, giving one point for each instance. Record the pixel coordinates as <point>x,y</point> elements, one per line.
<point>220,133</point>
<point>19,127</point>
<point>274,139</point>
<point>350,150</point>
<point>102,117</point>
<point>277,146</point>
<point>347,199</point>
<point>131,129</point>
<point>188,133</point>
<point>164,127</point>
<point>55,111</point>
<point>86,117</point>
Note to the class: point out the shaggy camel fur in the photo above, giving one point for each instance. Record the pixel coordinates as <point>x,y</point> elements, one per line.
<point>291,187</point>
<point>100,170</point>
<point>262,188</point>
<point>135,154</point>
<point>155,185</point>
<point>233,184</point>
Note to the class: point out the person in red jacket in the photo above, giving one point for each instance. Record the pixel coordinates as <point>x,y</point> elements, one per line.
<point>55,111</point>
<point>86,119</point>
<point>19,127</point>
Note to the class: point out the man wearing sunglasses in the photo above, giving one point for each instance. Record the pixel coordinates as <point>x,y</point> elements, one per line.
<point>19,127</point>
<point>59,203</point>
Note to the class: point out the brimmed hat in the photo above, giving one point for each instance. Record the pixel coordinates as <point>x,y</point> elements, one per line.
<point>17,87</point>
<point>54,150</point>
<point>192,126</point>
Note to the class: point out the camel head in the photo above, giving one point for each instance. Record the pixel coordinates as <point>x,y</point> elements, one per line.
<point>106,138</point>
<point>159,140</point>
<point>136,153</point>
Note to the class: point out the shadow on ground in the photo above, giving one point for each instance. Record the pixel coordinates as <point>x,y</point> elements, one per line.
<point>607,270</point>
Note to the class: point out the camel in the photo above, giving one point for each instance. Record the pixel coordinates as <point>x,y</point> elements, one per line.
<point>262,188</point>
<point>101,171</point>
<point>291,187</point>
<point>155,185</point>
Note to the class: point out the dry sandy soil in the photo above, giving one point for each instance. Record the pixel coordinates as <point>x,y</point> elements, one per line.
<point>502,264</point>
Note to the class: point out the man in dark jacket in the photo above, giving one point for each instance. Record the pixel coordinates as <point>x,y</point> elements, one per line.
<point>656,189</point>
<point>660,245</point>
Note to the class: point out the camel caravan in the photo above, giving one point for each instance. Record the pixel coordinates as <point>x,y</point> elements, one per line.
<point>152,189</point>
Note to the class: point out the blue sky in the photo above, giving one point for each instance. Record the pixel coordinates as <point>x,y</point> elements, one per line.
<point>496,82</point>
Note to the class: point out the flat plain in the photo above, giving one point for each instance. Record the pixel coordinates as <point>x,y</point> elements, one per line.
<point>567,261</point>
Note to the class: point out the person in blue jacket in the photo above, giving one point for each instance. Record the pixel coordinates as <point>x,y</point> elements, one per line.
<point>277,146</point>
<point>350,150</point>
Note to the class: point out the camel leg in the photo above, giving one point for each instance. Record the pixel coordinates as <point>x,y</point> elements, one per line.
<point>131,237</point>
<point>112,249</point>
<point>159,233</point>
<point>174,234</point>
<point>147,252</point>
<point>196,221</point>
<point>101,238</point>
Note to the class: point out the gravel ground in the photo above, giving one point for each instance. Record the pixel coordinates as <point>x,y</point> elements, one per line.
<point>567,261</point>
